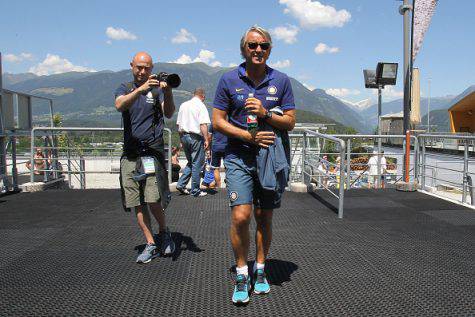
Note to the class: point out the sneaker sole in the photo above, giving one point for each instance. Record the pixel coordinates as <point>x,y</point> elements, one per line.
<point>244,302</point>
<point>261,293</point>
<point>149,260</point>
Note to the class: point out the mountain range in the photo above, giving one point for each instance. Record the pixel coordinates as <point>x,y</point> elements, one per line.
<point>90,94</point>
<point>87,97</point>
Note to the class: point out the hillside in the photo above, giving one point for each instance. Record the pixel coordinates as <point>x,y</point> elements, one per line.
<point>81,94</point>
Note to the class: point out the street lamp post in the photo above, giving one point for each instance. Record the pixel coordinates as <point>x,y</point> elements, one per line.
<point>385,74</point>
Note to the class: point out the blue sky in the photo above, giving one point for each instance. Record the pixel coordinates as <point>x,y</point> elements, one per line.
<point>328,52</point>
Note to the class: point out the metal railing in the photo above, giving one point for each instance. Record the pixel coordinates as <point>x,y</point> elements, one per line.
<point>73,155</point>
<point>356,160</point>
<point>451,176</point>
<point>310,155</point>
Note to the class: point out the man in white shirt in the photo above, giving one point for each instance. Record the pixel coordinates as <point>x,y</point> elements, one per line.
<point>192,122</point>
<point>373,170</point>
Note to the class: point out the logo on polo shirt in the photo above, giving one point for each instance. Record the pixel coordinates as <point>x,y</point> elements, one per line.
<point>150,98</point>
<point>239,89</point>
<point>272,90</point>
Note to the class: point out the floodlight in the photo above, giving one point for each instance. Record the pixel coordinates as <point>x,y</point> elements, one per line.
<point>386,73</point>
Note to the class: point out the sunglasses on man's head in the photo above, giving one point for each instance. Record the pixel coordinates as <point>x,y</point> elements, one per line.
<point>253,45</point>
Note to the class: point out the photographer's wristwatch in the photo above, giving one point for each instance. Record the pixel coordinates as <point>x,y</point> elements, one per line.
<point>268,115</point>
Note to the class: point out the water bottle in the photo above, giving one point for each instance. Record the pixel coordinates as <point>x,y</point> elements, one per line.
<point>251,119</point>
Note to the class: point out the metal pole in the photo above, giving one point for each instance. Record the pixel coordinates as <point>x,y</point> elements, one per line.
<point>32,161</point>
<point>14,169</point>
<point>46,171</point>
<point>408,156</point>
<point>465,172</point>
<point>169,163</point>
<point>82,168</point>
<point>416,158</point>
<point>405,10</point>
<point>69,163</point>
<point>342,180</point>
<point>423,168</point>
<point>304,148</point>
<point>348,165</point>
<point>3,152</point>
<point>378,179</point>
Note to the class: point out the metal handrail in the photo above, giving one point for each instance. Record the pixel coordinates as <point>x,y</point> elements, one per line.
<point>86,129</point>
<point>342,166</point>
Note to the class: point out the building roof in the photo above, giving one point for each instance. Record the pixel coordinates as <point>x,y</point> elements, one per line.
<point>464,101</point>
<point>398,115</point>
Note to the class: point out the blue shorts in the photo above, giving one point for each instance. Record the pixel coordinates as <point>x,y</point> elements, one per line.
<point>216,157</point>
<point>243,185</point>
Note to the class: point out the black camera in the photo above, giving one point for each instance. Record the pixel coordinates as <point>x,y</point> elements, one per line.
<point>172,80</point>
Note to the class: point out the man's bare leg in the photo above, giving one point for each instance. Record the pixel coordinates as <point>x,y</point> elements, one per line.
<point>217,178</point>
<point>143,219</point>
<point>159,215</point>
<point>241,217</point>
<point>263,233</point>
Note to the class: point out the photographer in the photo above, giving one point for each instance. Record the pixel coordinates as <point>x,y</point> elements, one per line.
<point>143,177</point>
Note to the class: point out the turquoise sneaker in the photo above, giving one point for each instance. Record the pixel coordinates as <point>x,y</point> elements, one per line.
<point>241,290</point>
<point>261,286</point>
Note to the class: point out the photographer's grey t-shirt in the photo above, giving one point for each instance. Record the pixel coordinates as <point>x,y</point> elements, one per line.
<point>141,121</point>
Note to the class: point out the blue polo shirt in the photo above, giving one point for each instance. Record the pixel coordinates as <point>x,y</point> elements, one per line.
<point>219,141</point>
<point>234,88</point>
<point>140,121</point>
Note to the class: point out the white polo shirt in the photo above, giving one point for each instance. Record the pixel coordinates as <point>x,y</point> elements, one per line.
<point>192,113</point>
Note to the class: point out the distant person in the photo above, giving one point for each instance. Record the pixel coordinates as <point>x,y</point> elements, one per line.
<point>175,164</point>
<point>373,173</point>
<point>218,146</point>
<point>39,162</point>
<point>192,122</point>
<point>324,168</point>
<point>143,178</point>
<point>248,93</point>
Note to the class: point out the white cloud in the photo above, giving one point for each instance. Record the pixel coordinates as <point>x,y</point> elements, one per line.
<point>12,58</point>
<point>288,33</point>
<point>309,87</point>
<point>342,92</point>
<point>183,36</point>
<point>120,34</point>
<point>313,14</point>
<point>280,64</point>
<point>53,64</point>
<point>183,59</point>
<point>323,48</point>
<point>389,92</point>
<point>109,42</point>
<point>205,56</point>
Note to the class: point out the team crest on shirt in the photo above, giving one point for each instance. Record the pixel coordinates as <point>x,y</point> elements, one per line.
<point>272,90</point>
<point>233,196</point>
<point>150,98</point>
<point>240,97</point>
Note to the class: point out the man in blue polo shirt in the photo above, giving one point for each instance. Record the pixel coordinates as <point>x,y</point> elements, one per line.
<point>253,88</point>
<point>143,103</point>
<point>218,146</point>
